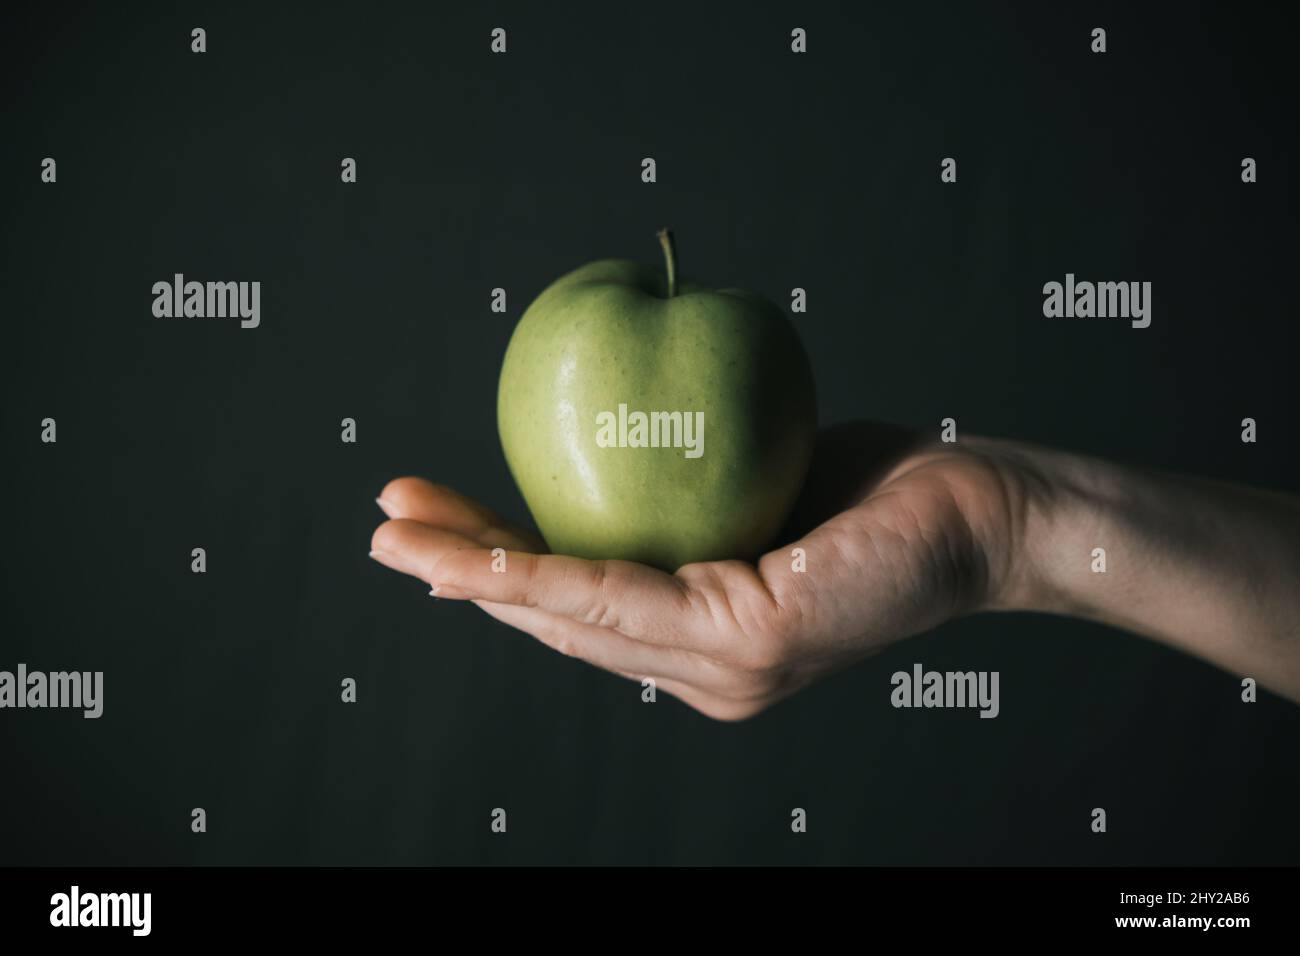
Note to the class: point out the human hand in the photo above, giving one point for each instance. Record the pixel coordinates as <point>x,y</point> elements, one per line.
<point>897,535</point>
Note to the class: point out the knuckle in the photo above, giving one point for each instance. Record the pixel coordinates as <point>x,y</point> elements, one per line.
<point>761,654</point>
<point>529,583</point>
<point>731,711</point>
<point>603,584</point>
<point>750,685</point>
<point>565,646</point>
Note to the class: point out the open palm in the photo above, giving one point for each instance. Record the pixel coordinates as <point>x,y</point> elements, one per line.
<point>896,536</point>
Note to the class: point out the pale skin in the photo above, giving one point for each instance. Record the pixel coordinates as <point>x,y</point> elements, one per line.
<point>899,534</point>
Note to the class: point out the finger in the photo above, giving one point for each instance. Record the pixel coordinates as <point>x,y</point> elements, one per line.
<point>634,599</point>
<point>708,704</point>
<point>414,548</point>
<point>623,656</point>
<point>599,646</point>
<point>560,634</point>
<point>444,507</point>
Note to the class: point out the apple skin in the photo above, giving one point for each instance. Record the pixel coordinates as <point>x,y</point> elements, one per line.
<point>608,334</point>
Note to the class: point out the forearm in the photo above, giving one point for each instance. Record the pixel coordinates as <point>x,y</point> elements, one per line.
<point>1210,568</point>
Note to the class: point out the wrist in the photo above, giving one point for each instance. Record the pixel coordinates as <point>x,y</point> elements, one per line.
<point>1049,513</point>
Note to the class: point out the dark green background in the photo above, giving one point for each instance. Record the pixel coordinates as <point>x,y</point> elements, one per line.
<point>477,171</point>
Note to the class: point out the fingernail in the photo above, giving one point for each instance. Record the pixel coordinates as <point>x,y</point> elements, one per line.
<point>450,591</point>
<point>385,506</point>
<point>384,558</point>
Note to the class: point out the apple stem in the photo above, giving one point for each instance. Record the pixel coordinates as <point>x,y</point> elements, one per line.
<point>670,258</point>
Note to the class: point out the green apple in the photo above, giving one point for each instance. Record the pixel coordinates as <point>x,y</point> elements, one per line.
<point>654,420</point>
